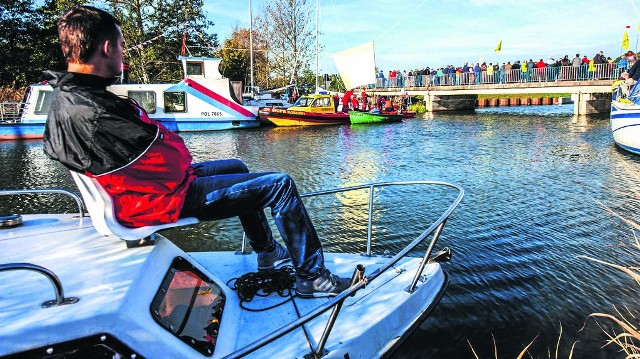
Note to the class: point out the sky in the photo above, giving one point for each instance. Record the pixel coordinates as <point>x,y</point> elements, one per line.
<point>413,34</point>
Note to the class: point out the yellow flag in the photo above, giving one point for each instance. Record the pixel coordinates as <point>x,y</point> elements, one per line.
<point>499,47</point>
<point>625,41</point>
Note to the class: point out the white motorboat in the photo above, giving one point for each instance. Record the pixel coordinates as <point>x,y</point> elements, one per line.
<point>625,118</point>
<point>68,290</point>
<point>202,101</point>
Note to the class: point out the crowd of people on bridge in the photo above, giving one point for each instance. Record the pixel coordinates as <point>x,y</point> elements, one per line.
<point>564,68</point>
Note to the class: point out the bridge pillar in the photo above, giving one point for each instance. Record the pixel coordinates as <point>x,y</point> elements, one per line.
<point>591,103</point>
<point>450,102</point>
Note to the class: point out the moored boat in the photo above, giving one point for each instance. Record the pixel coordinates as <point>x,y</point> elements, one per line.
<point>625,119</point>
<point>309,110</point>
<point>202,101</point>
<point>69,290</point>
<point>373,117</point>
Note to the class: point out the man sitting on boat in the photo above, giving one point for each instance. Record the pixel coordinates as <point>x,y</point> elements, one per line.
<point>147,169</point>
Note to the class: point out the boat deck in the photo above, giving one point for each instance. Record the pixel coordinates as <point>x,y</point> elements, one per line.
<point>364,310</point>
<point>116,285</point>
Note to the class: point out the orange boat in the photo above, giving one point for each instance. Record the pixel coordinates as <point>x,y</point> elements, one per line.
<point>309,110</point>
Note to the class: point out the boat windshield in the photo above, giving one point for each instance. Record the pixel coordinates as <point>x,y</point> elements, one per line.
<point>304,102</point>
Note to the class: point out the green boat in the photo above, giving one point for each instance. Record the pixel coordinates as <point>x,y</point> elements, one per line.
<point>369,117</point>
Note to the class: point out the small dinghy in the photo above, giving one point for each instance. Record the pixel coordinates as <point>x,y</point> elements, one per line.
<point>357,117</point>
<point>84,287</point>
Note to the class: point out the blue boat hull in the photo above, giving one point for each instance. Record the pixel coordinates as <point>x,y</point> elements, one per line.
<point>23,131</point>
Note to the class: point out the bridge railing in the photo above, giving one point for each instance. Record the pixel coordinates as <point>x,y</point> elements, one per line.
<point>546,74</point>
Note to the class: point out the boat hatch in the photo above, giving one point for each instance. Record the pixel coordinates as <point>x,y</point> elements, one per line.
<point>189,305</point>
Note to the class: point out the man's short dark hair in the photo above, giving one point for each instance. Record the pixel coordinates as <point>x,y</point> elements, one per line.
<point>82,29</point>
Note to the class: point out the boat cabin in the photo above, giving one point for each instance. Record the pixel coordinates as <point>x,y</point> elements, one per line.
<point>201,67</point>
<point>202,101</point>
<point>315,103</point>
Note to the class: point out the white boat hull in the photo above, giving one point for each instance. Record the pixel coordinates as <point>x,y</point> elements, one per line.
<point>625,126</point>
<point>116,285</point>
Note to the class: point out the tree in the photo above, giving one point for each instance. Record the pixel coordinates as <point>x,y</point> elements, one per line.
<point>234,60</point>
<point>27,43</point>
<point>337,84</point>
<point>154,31</point>
<point>287,32</point>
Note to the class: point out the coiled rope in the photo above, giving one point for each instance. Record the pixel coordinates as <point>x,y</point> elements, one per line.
<point>264,283</point>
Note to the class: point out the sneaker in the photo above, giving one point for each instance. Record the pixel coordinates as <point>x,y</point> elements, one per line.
<point>268,260</point>
<point>325,285</point>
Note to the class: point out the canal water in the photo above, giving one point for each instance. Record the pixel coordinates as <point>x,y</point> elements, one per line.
<point>543,189</point>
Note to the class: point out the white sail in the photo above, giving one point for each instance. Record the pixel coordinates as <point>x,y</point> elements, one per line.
<point>357,65</point>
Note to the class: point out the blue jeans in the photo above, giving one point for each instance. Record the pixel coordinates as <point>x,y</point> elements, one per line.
<point>226,188</point>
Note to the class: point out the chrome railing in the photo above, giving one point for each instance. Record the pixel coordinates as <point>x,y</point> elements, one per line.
<point>10,112</point>
<point>359,280</point>
<point>52,277</point>
<point>47,191</point>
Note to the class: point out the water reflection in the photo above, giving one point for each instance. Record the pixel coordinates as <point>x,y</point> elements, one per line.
<point>543,187</point>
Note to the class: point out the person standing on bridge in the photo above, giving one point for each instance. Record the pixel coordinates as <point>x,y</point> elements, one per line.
<point>623,63</point>
<point>524,72</point>
<point>540,69</point>
<point>490,71</point>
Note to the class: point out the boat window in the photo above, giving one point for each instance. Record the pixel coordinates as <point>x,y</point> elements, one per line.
<point>321,102</point>
<point>189,305</point>
<point>175,102</point>
<point>42,102</point>
<point>146,99</point>
<point>195,68</point>
<point>304,102</point>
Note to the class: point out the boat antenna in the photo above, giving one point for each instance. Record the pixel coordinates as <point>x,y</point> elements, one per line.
<point>251,46</point>
<point>317,24</point>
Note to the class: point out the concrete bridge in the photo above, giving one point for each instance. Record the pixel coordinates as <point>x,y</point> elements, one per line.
<point>589,96</point>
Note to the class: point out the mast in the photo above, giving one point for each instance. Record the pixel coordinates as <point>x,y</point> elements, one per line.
<point>251,45</point>
<point>317,25</point>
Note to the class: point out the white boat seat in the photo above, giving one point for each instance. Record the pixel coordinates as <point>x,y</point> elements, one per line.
<point>100,208</point>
